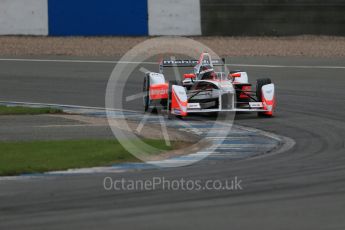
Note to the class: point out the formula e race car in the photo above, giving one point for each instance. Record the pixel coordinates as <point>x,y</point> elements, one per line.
<point>206,90</point>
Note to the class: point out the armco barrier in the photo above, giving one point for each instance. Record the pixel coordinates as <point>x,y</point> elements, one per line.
<point>272,17</point>
<point>172,17</point>
<point>98,17</point>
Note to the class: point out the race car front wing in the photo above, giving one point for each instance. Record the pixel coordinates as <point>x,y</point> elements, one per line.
<point>226,104</point>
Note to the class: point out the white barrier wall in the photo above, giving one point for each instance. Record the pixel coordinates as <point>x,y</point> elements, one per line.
<point>24,17</point>
<point>174,17</point>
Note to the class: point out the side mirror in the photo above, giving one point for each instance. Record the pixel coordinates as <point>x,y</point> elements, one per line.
<point>234,75</point>
<point>188,75</point>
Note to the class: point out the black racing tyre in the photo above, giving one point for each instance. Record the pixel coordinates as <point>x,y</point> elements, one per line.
<point>238,89</point>
<point>259,83</point>
<point>146,97</point>
<point>171,83</point>
<point>175,82</point>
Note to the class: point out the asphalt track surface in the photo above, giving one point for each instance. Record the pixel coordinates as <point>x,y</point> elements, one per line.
<point>303,188</point>
<point>47,127</point>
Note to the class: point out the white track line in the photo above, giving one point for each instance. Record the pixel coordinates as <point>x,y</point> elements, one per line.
<point>156,63</point>
<point>66,106</point>
<point>75,61</point>
<point>289,66</point>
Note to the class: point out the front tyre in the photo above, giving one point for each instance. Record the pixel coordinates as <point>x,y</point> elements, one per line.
<point>259,84</point>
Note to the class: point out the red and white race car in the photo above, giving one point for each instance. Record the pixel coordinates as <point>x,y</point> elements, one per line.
<point>207,90</point>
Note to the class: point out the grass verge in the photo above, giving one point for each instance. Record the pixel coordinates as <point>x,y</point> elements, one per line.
<point>43,156</point>
<point>20,110</point>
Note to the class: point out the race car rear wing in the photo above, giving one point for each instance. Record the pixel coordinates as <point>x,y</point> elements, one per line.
<point>189,63</point>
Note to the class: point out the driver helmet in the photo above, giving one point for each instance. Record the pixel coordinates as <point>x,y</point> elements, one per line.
<point>206,72</point>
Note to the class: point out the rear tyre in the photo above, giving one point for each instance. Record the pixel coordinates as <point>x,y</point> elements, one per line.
<point>146,97</point>
<point>259,84</point>
<point>175,82</point>
<point>171,83</point>
<point>238,88</point>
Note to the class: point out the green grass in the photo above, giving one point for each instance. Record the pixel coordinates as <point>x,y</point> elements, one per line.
<point>20,110</point>
<point>42,156</point>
